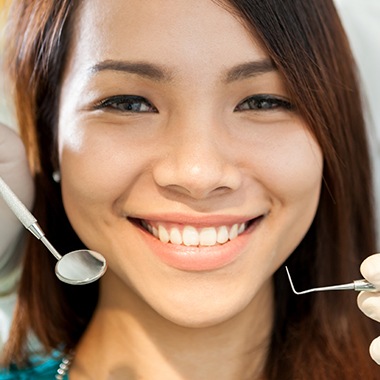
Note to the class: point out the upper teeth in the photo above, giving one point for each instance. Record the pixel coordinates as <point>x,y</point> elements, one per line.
<point>192,236</point>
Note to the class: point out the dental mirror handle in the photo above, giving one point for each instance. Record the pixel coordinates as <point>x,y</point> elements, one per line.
<point>25,216</point>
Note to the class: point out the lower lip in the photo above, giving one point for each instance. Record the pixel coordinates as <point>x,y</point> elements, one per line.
<point>199,258</point>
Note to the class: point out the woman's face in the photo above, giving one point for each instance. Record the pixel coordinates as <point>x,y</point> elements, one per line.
<point>182,159</point>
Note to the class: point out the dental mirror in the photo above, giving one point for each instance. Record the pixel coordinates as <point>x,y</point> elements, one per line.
<point>358,285</point>
<point>77,267</point>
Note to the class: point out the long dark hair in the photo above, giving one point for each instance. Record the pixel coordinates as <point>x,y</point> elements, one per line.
<point>319,336</point>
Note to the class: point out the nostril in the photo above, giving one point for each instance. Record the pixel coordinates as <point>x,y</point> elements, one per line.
<point>197,174</point>
<point>222,190</point>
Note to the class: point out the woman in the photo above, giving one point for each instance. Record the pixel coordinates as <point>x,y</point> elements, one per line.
<point>200,146</point>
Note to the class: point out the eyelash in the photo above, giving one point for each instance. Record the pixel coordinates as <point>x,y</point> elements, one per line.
<point>126,103</point>
<point>135,104</point>
<point>263,102</point>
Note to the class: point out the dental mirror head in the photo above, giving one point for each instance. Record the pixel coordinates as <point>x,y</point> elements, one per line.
<point>80,267</point>
<point>76,268</point>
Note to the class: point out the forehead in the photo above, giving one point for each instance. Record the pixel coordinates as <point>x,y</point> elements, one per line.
<point>197,33</point>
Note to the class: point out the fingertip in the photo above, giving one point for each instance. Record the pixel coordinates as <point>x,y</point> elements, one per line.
<point>374,350</point>
<point>370,269</point>
<point>369,304</point>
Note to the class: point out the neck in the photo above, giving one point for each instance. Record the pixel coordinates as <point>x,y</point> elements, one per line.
<point>128,340</point>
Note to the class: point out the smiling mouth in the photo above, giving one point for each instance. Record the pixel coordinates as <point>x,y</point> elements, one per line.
<point>191,236</point>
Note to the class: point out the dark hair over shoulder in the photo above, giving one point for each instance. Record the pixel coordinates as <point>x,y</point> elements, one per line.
<point>319,336</point>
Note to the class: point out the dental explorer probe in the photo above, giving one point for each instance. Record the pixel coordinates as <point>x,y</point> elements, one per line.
<point>76,267</point>
<point>358,285</point>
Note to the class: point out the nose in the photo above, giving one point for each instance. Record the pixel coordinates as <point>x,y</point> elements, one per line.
<point>198,161</point>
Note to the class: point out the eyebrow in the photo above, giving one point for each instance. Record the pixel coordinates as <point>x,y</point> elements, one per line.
<point>249,69</point>
<point>162,73</point>
<point>148,70</point>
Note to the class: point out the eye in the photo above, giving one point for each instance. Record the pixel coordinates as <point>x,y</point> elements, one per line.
<point>263,103</point>
<point>127,103</point>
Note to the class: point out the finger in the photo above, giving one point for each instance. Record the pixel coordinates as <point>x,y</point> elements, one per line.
<point>369,304</point>
<point>374,350</point>
<point>370,269</point>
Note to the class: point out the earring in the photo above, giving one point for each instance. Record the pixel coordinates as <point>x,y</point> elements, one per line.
<point>56,176</point>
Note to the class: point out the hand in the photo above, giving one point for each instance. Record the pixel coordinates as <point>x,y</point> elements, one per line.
<point>369,302</point>
<point>15,172</point>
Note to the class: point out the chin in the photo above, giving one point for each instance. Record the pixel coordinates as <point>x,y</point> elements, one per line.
<point>199,319</point>
<point>204,310</point>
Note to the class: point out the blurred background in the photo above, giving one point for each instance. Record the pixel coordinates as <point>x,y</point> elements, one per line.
<point>5,105</point>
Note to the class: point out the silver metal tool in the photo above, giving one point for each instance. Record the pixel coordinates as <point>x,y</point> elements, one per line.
<point>76,267</point>
<point>358,285</point>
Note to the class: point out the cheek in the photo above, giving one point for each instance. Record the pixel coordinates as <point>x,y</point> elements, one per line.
<point>97,166</point>
<point>292,177</point>
<point>97,170</point>
<point>298,185</point>
<point>292,168</point>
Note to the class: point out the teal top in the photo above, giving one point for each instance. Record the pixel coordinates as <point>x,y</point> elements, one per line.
<point>39,369</point>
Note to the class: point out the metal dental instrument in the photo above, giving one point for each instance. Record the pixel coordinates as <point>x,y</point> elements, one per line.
<point>358,285</point>
<point>76,267</point>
